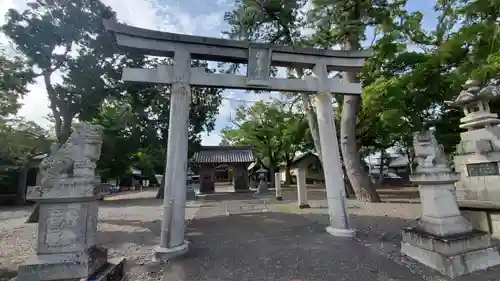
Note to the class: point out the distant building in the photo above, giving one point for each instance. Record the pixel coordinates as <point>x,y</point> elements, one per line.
<point>309,161</point>
<point>398,168</point>
<point>223,163</point>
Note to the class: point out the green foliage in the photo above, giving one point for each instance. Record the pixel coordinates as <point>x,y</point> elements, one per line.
<point>14,77</point>
<point>21,140</point>
<point>118,140</point>
<point>136,125</point>
<point>404,89</point>
<point>273,21</point>
<point>68,37</point>
<point>274,131</point>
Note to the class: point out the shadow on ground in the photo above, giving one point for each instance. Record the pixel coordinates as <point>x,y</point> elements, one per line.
<point>6,274</point>
<point>277,246</point>
<point>150,230</point>
<point>382,235</point>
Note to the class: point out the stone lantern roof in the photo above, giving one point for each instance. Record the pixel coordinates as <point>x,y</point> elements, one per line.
<point>472,92</point>
<point>474,102</point>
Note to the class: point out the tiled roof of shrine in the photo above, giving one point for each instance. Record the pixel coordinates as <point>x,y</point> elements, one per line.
<point>223,154</point>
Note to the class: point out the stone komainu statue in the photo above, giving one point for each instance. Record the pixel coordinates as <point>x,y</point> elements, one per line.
<point>428,152</point>
<point>75,158</point>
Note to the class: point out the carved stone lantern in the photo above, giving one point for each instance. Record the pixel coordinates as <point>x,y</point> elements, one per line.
<point>262,174</point>
<point>477,158</point>
<point>262,177</point>
<point>190,192</point>
<point>475,103</point>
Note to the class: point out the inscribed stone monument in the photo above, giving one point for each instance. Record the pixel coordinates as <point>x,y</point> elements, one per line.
<point>68,192</point>
<point>442,238</point>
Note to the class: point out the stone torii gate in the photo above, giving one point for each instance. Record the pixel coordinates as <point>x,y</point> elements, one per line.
<point>259,58</point>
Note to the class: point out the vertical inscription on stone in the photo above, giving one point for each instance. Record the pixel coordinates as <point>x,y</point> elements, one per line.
<point>259,66</point>
<point>62,227</point>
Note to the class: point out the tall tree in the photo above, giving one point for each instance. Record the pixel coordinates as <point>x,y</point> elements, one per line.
<point>280,22</point>
<point>21,140</point>
<point>120,140</point>
<point>14,78</point>
<point>275,133</point>
<point>344,23</point>
<point>64,37</point>
<point>151,108</point>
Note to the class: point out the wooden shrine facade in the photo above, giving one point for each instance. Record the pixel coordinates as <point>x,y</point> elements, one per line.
<point>210,157</point>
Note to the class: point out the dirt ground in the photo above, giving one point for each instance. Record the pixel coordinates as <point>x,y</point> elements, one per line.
<point>285,243</point>
<point>129,226</point>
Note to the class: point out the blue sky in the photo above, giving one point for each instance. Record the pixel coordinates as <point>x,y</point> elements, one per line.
<point>197,17</point>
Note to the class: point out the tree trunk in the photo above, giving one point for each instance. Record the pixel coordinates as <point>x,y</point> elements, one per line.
<point>288,175</point>
<point>67,121</point>
<point>312,120</point>
<point>62,130</point>
<point>359,179</point>
<point>349,191</point>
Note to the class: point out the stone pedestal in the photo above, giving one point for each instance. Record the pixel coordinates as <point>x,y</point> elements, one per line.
<point>66,247</point>
<point>478,160</point>
<point>442,238</point>
<point>190,193</point>
<point>277,187</point>
<point>165,254</point>
<point>302,188</point>
<point>263,186</point>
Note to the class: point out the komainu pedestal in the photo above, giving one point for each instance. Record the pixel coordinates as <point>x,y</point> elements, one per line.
<point>68,196</point>
<point>442,238</point>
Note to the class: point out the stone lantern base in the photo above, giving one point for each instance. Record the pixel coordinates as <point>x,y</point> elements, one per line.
<point>442,238</point>
<point>452,255</point>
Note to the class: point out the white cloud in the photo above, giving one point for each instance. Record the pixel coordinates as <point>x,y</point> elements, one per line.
<point>151,14</point>
<point>36,104</point>
<point>210,138</point>
<point>230,102</point>
<point>307,31</point>
<point>223,2</point>
<point>233,99</point>
<point>212,21</point>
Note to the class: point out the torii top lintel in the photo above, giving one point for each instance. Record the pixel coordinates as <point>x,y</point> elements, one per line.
<point>158,43</point>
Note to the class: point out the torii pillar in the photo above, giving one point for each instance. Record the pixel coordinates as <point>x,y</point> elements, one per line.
<point>172,241</point>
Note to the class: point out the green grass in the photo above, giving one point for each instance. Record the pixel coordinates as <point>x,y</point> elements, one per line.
<point>292,208</point>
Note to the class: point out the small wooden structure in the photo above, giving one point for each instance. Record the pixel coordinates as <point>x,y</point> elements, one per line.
<point>210,157</point>
<point>308,161</point>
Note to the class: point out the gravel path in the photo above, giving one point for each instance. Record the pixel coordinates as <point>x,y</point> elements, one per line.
<point>286,243</point>
<point>378,228</point>
<point>281,244</point>
<point>129,226</point>
<point>278,244</point>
